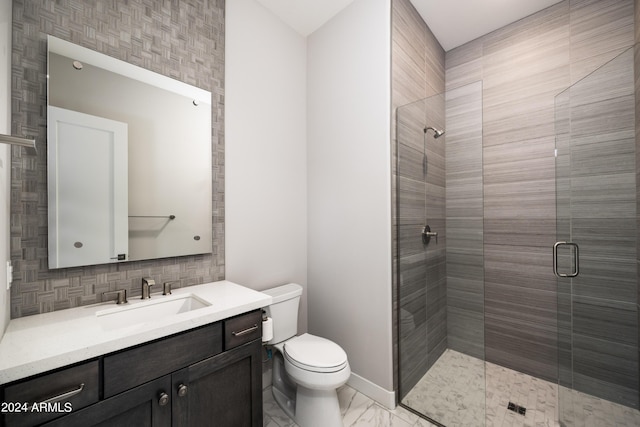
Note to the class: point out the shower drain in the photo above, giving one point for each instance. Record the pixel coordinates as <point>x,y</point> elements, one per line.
<point>516,408</point>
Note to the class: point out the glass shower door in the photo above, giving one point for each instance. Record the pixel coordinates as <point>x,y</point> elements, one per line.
<point>440,273</point>
<point>595,258</point>
<point>421,244</point>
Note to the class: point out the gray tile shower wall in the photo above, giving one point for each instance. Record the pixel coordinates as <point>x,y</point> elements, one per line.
<point>464,219</point>
<point>637,116</point>
<point>422,278</point>
<point>523,67</point>
<point>417,63</point>
<point>183,40</point>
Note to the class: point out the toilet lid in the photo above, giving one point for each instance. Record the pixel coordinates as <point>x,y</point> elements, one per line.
<point>315,354</point>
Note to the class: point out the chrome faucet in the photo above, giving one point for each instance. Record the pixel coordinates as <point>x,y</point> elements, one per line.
<point>121,296</point>
<point>146,287</point>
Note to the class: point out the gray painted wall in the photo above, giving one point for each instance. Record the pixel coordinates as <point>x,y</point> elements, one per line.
<point>348,195</point>
<point>183,40</point>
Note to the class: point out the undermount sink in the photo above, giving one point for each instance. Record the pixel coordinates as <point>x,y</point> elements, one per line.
<point>148,311</point>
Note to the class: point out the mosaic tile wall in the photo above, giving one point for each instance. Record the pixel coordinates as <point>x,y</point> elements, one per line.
<point>181,39</point>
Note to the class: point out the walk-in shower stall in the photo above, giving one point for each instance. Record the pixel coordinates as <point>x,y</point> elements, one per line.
<point>584,365</point>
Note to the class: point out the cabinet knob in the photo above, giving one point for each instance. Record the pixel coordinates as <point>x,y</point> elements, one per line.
<point>163,399</point>
<point>182,390</point>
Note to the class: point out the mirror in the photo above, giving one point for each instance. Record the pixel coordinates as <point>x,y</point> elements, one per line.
<point>128,159</point>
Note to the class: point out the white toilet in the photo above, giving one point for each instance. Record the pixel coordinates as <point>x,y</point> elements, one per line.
<point>307,369</point>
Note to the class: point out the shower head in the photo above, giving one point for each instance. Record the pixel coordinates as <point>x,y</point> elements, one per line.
<point>437,133</point>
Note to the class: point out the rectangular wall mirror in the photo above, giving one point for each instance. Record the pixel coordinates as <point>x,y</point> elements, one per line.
<point>128,161</point>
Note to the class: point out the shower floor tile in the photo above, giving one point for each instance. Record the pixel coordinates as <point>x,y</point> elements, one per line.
<point>453,393</point>
<point>581,409</point>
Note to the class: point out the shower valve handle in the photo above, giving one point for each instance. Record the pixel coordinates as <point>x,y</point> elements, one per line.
<point>427,234</point>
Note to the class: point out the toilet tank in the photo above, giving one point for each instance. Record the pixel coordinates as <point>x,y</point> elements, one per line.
<point>284,311</point>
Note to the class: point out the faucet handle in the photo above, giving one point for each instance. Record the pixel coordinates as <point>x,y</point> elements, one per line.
<point>166,288</point>
<point>121,296</point>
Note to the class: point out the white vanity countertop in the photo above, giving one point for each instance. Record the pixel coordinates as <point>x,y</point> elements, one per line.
<point>36,344</point>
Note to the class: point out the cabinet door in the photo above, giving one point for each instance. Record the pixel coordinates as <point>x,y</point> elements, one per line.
<point>142,406</point>
<point>222,391</point>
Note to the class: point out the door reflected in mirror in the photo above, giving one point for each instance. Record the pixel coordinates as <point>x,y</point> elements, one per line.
<point>128,159</point>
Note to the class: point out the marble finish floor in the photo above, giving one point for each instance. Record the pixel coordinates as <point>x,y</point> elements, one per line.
<point>579,409</point>
<point>453,393</point>
<point>357,410</point>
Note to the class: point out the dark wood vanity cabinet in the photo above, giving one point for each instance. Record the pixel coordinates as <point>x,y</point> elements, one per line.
<point>210,376</point>
<point>141,406</point>
<point>72,387</point>
<point>224,390</point>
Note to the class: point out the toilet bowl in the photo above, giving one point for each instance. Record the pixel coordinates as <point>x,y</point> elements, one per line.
<point>307,369</point>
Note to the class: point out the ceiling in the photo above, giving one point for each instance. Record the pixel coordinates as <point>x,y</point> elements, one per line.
<point>305,16</point>
<point>456,22</point>
<point>453,22</point>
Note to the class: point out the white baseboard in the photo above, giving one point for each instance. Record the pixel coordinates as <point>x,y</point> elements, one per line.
<point>384,397</point>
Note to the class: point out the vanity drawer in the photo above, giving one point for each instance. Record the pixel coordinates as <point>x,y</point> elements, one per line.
<point>242,329</point>
<point>138,365</point>
<point>59,393</point>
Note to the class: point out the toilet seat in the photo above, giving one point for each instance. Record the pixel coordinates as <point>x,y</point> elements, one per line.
<point>315,354</point>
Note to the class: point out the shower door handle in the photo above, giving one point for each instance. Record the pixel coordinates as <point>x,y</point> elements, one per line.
<point>576,259</point>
